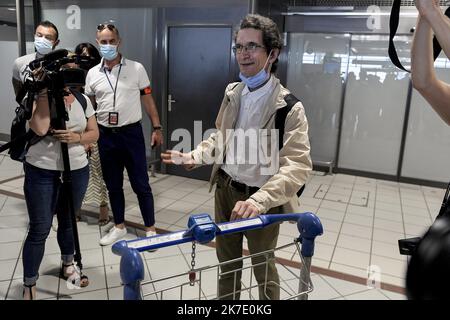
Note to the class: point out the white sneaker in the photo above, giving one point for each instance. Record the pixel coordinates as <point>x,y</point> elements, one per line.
<point>113,235</point>
<point>150,234</point>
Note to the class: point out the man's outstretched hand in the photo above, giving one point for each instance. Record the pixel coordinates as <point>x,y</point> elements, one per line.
<point>178,158</point>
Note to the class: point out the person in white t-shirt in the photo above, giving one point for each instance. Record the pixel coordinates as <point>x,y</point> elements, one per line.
<point>43,169</point>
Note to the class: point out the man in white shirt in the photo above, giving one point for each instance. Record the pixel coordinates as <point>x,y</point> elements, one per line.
<point>46,38</point>
<point>118,86</point>
<point>257,177</point>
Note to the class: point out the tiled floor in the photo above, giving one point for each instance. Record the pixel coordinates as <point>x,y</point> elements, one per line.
<point>362,218</point>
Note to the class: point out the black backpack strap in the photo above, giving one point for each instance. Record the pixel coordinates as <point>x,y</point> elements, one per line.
<point>280,122</point>
<point>280,117</point>
<point>80,97</point>
<point>393,26</point>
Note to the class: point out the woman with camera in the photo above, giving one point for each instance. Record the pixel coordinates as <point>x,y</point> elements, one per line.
<point>43,169</point>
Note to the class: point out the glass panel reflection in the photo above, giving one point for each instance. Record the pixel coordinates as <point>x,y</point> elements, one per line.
<point>374,107</point>
<point>317,67</point>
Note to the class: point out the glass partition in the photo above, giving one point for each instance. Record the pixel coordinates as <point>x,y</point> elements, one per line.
<point>374,106</point>
<point>427,148</point>
<point>317,65</point>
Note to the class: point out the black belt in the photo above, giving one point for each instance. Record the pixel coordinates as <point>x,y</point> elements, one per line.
<point>119,129</point>
<point>241,187</point>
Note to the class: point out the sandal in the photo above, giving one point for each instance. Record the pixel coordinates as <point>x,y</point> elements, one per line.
<point>103,217</point>
<point>29,289</point>
<point>72,274</point>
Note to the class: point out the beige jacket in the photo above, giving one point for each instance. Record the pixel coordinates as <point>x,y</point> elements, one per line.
<point>294,162</point>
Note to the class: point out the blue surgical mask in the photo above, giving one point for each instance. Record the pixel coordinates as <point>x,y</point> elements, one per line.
<point>108,51</point>
<point>43,45</point>
<point>259,78</point>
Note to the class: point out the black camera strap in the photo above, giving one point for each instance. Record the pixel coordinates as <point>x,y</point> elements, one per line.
<point>393,26</point>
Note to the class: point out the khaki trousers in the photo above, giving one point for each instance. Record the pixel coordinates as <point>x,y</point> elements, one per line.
<point>229,247</point>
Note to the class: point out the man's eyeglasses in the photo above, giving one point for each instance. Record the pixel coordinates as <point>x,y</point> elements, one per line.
<point>250,47</point>
<point>102,26</point>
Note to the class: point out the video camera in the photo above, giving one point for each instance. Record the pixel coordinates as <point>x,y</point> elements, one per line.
<point>52,65</point>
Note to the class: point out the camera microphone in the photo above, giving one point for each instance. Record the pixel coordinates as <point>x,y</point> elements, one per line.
<point>48,58</point>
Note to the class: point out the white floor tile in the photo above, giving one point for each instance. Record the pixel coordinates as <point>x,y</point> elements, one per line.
<point>356,230</point>
<point>344,287</point>
<point>321,291</point>
<point>388,215</point>
<point>418,231</point>
<point>353,243</point>
<point>389,250</point>
<point>331,214</point>
<point>387,236</point>
<point>363,211</point>
<point>92,295</point>
<point>417,220</point>
<point>388,199</point>
<point>10,250</point>
<point>330,225</point>
<point>6,269</point>
<point>389,207</point>
<point>4,286</point>
<point>323,251</point>
<point>407,210</point>
<point>168,216</point>
<point>115,293</point>
<point>182,206</point>
<point>328,237</point>
<point>8,222</point>
<point>334,205</point>
<point>388,225</point>
<point>389,266</point>
<point>351,258</point>
<point>172,194</point>
<point>365,221</point>
<point>196,198</point>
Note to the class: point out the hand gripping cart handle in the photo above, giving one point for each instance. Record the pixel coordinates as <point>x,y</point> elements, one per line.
<point>202,229</point>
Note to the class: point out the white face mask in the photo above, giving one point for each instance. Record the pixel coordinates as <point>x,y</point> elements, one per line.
<point>259,78</point>
<point>43,45</point>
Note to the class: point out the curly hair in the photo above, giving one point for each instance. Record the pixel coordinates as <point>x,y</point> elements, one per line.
<point>270,33</point>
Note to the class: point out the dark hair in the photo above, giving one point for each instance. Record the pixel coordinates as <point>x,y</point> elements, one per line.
<point>48,24</point>
<point>270,33</point>
<point>90,49</point>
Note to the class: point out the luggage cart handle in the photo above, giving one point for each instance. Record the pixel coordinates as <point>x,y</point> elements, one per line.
<point>202,229</point>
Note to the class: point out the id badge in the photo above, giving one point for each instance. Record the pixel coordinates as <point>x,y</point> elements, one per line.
<point>113,118</point>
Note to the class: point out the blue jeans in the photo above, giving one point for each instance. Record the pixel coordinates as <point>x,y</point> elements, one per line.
<point>44,196</point>
<point>125,148</point>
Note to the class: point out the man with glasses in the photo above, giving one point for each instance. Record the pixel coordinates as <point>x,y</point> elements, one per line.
<point>118,86</point>
<point>245,189</point>
<point>45,40</point>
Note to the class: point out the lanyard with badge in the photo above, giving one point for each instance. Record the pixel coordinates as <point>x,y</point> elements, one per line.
<point>113,117</point>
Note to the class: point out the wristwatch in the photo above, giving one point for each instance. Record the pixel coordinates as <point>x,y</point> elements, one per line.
<point>157,128</point>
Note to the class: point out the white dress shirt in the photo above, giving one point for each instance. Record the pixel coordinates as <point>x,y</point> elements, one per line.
<point>243,161</point>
